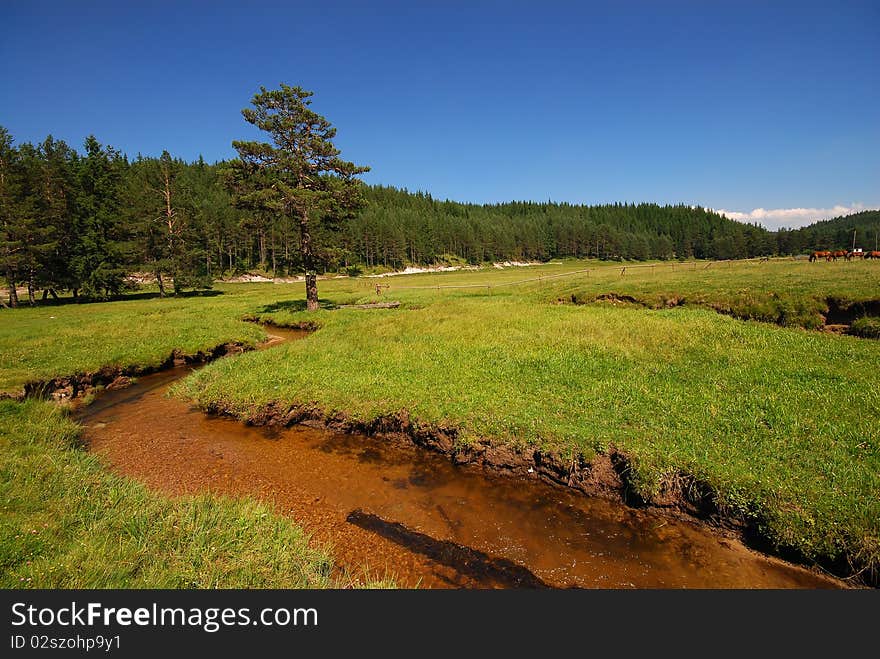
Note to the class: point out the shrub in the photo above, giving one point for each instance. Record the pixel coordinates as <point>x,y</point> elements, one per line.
<point>867,327</point>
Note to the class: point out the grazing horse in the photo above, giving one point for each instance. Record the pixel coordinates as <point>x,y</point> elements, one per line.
<point>815,256</point>
<point>840,253</point>
<point>855,254</point>
<point>872,255</point>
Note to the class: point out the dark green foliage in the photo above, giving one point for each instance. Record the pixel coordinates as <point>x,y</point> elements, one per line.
<point>299,176</point>
<point>836,233</point>
<point>399,227</point>
<point>97,258</point>
<point>168,202</point>
<point>16,214</point>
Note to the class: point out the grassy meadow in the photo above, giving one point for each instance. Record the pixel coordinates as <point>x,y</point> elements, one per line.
<point>785,292</point>
<point>45,342</point>
<point>781,421</point>
<point>67,522</point>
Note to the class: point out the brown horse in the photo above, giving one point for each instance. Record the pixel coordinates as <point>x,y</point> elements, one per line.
<point>855,255</point>
<point>815,256</point>
<point>872,255</point>
<point>839,254</point>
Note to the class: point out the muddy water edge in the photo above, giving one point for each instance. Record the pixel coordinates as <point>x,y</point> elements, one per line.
<point>403,511</point>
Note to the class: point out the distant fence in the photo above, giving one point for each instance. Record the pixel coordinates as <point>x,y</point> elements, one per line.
<point>622,270</point>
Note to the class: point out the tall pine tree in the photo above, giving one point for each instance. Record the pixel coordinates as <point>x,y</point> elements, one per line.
<point>299,174</point>
<point>97,264</point>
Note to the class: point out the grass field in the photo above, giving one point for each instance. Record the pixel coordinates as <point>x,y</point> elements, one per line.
<point>781,422</point>
<point>66,522</point>
<point>788,293</point>
<point>55,341</point>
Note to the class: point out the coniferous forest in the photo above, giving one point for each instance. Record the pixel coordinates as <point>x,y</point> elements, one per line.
<point>80,221</point>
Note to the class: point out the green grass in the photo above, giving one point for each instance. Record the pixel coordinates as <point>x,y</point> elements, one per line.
<point>66,522</point>
<point>781,422</point>
<point>785,292</point>
<point>47,342</point>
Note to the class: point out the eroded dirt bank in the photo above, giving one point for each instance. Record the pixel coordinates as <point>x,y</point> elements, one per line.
<point>833,314</point>
<point>400,509</point>
<point>608,476</point>
<point>78,386</point>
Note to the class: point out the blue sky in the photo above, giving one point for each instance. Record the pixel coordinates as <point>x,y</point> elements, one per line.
<point>732,105</point>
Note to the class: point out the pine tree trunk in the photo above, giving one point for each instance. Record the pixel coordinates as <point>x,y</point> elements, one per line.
<point>308,263</point>
<point>13,293</point>
<point>161,283</point>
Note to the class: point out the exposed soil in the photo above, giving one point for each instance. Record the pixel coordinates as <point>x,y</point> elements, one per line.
<point>842,312</point>
<point>80,385</point>
<point>385,502</point>
<point>837,318</point>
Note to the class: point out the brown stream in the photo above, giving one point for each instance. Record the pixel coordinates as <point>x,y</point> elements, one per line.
<point>411,514</point>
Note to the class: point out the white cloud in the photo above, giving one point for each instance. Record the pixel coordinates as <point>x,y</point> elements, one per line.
<point>775,218</point>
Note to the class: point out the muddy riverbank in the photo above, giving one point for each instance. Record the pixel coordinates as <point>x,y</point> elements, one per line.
<point>399,509</point>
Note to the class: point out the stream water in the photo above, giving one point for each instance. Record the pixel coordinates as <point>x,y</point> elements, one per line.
<point>411,514</point>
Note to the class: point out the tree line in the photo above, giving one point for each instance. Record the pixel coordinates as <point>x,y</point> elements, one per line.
<point>845,232</point>
<point>398,227</point>
<point>82,222</point>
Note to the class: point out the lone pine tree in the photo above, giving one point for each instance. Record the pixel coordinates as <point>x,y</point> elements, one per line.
<point>299,174</point>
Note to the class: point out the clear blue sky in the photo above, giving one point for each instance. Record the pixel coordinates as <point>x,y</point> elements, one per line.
<point>733,105</point>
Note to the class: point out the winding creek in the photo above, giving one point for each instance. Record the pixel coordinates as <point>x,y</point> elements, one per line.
<point>412,514</point>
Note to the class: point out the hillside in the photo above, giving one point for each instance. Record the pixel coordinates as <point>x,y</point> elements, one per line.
<point>399,226</point>
<point>836,233</point>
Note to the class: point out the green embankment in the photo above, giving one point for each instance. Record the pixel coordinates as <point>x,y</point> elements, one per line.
<point>784,292</point>
<point>66,522</point>
<point>781,422</point>
<point>56,341</point>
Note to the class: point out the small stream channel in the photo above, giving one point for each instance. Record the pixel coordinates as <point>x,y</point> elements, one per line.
<point>411,514</point>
